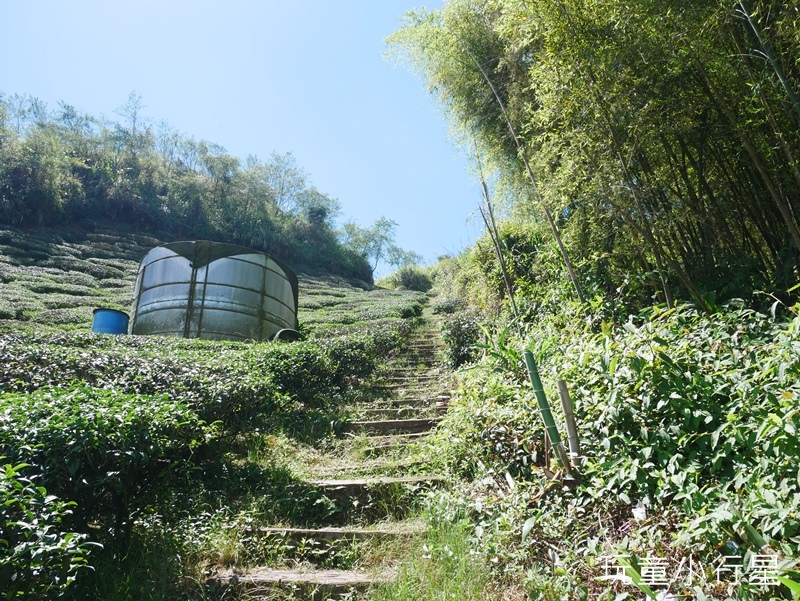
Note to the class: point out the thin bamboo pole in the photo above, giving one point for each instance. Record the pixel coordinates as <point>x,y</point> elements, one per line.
<point>551,430</point>
<point>569,420</point>
<point>573,276</point>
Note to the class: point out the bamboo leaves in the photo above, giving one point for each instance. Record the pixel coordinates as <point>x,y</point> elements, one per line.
<point>655,135</point>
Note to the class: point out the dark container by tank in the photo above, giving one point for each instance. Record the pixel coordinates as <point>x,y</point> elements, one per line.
<point>109,321</point>
<point>215,291</point>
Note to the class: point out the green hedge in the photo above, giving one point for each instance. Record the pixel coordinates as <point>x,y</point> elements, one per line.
<point>241,386</point>
<point>101,449</point>
<point>683,411</point>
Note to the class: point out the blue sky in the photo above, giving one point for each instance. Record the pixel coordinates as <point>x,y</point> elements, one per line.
<point>305,76</point>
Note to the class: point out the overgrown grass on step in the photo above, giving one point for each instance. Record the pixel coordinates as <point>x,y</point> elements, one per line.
<point>442,566</point>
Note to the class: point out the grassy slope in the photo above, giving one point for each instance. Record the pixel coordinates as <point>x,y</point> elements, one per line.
<point>741,365</point>
<point>56,277</point>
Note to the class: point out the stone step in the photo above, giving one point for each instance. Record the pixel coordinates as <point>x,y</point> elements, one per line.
<point>360,489</point>
<point>412,386</point>
<point>335,535</point>
<point>397,439</point>
<point>405,426</point>
<point>401,402</point>
<point>405,412</point>
<point>369,467</point>
<point>415,353</point>
<point>414,369</point>
<point>426,400</point>
<point>385,447</point>
<point>413,378</point>
<point>312,585</point>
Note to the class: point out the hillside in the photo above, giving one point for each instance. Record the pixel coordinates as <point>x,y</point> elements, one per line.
<point>62,168</point>
<point>53,278</point>
<point>56,277</point>
<point>310,465</point>
<point>241,426</point>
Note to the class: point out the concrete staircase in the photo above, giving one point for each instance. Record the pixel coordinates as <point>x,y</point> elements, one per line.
<point>375,481</point>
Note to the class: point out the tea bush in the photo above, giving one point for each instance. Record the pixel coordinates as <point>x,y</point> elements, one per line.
<point>448,306</point>
<point>144,433</point>
<point>460,335</point>
<point>39,558</point>
<point>408,278</point>
<point>243,386</point>
<point>102,450</point>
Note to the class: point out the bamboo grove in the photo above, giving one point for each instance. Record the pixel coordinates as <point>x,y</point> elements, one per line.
<point>663,136</point>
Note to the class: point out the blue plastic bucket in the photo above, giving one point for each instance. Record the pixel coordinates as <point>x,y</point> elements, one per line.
<point>110,321</point>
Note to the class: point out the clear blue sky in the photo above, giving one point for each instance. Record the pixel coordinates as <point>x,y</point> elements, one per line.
<point>305,76</point>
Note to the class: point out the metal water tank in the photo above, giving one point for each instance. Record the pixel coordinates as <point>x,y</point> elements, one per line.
<point>211,290</point>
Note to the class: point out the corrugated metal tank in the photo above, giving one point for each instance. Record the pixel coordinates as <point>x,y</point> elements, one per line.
<point>215,291</point>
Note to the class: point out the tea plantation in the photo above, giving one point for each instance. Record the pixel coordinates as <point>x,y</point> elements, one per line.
<point>119,450</point>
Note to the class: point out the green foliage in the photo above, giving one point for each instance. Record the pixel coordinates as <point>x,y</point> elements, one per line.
<point>38,557</point>
<point>448,306</point>
<point>241,387</point>
<point>689,416</point>
<point>408,278</point>
<point>442,566</point>
<point>62,167</point>
<point>655,138</point>
<point>330,308</point>
<point>102,450</point>
<point>460,335</point>
<point>145,440</point>
<point>704,410</point>
<point>376,243</point>
<point>495,424</point>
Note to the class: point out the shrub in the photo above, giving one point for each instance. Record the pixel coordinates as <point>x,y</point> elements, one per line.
<point>39,559</point>
<point>101,449</point>
<point>694,416</point>
<point>448,306</point>
<point>460,335</point>
<point>409,278</point>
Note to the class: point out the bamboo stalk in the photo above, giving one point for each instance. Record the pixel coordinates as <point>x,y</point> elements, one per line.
<point>551,430</point>
<point>534,183</point>
<point>569,419</point>
<point>767,50</point>
<point>544,409</point>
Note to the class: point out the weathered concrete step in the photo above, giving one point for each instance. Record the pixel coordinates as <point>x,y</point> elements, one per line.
<point>389,447</point>
<point>406,412</point>
<point>426,400</point>
<point>397,439</point>
<point>413,378</point>
<point>414,369</point>
<point>407,426</point>
<point>362,488</point>
<point>402,402</point>
<point>418,352</point>
<point>312,585</point>
<point>370,467</point>
<point>410,387</point>
<point>336,535</point>
<point>394,376</point>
